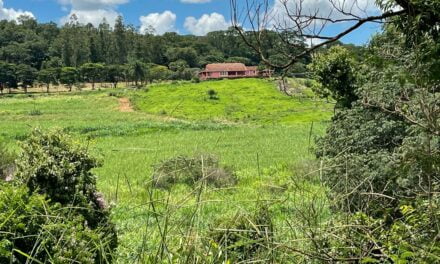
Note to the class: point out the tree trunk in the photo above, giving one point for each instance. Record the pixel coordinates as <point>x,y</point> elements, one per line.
<point>47,87</point>
<point>93,85</point>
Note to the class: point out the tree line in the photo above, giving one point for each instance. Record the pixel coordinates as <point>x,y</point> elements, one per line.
<point>75,52</point>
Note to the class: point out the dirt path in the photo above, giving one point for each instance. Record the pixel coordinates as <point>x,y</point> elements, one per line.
<point>125,105</point>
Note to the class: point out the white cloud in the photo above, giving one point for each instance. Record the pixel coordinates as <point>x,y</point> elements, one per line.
<point>195,1</point>
<point>12,14</point>
<point>206,23</point>
<point>161,23</point>
<point>94,17</point>
<point>92,11</point>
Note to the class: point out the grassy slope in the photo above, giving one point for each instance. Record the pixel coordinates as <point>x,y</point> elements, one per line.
<point>130,143</point>
<point>251,100</point>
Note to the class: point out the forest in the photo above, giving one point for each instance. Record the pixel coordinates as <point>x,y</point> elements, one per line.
<point>46,53</point>
<point>341,165</point>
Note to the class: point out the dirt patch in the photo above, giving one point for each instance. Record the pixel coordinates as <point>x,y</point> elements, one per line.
<point>125,105</point>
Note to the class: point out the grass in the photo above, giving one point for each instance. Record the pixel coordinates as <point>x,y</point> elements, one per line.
<point>273,137</point>
<point>245,100</point>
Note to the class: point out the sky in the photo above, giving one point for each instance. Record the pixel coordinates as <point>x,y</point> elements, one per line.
<point>197,17</point>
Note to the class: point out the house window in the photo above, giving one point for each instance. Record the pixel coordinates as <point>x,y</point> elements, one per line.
<point>224,73</point>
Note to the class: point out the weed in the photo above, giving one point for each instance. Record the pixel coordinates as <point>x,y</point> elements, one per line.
<point>212,94</point>
<point>190,170</point>
<point>245,237</point>
<point>35,112</point>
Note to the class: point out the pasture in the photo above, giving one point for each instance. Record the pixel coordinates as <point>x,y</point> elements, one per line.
<point>264,136</point>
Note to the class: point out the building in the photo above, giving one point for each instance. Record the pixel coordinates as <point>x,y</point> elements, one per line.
<point>230,70</point>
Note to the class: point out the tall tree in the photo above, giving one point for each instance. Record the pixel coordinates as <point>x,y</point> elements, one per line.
<point>120,41</point>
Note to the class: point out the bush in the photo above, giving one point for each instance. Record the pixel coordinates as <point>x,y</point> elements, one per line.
<point>212,94</point>
<point>53,166</point>
<point>190,170</point>
<point>36,230</point>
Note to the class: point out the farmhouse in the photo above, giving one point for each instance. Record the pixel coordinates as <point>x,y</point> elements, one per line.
<point>230,70</point>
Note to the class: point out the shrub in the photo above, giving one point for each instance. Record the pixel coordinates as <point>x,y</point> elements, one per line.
<point>212,94</point>
<point>36,230</point>
<point>190,170</point>
<point>54,165</point>
<point>195,80</point>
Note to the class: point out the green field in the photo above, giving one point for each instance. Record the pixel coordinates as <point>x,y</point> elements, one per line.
<point>246,100</point>
<point>265,136</point>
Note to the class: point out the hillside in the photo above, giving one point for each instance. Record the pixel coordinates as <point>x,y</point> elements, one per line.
<point>242,100</point>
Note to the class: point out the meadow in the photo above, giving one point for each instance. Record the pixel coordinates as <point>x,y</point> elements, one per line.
<point>264,136</point>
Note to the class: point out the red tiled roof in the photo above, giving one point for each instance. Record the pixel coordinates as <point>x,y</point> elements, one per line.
<point>217,67</point>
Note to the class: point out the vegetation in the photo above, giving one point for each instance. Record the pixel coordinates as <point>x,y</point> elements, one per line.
<point>225,171</point>
<point>50,210</point>
<point>252,165</point>
<point>245,100</point>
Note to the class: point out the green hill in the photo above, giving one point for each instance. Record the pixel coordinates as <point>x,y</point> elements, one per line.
<point>243,100</point>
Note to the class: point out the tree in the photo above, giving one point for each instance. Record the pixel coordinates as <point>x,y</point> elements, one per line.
<point>48,76</point>
<point>336,71</point>
<point>68,76</point>
<point>92,72</point>
<point>7,76</point>
<point>138,71</point>
<point>120,41</point>
<point>159,72</point>
<point>114,74</point>
<point>26,75</point>
<point>186,54</point>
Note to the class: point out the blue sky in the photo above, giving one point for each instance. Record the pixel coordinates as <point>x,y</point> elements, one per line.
<point>183,16</point>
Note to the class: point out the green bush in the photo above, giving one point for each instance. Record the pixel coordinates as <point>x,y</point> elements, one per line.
<point>213,95</point>
<point>35,229</point>
<point>56,210</point>
<point>190,170</point>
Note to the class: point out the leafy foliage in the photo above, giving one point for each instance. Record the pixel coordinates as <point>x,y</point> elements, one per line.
<point>336,71</point>
<point>381,157</point>
<point>52,211</point>
<point>36,229</point>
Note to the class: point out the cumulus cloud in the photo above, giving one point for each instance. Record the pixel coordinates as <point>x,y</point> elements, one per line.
<point>205,24</point>
<point>159,22</point>
<point>92,11</point>
<point>195,1</point>
<point>12,14</point>
<point>95,17</point>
